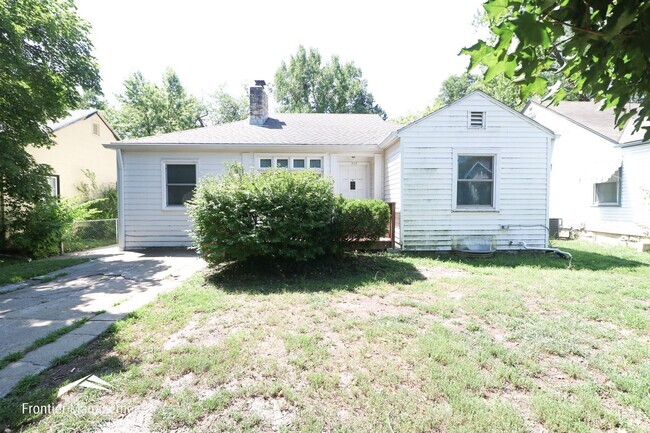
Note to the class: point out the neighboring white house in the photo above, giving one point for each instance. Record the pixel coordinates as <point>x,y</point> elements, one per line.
<point>600,177</point>
<point>475,171</point>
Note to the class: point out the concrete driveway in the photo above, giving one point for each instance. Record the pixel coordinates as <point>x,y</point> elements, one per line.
<point>103,290</point>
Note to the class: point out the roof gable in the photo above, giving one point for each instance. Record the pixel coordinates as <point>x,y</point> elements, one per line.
<point>588,115</point>
<point>75,116</point>
<point>478,93</point>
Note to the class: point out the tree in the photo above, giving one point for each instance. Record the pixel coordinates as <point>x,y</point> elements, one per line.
<point>599,48</point>
<point>45,57</point>
<point>92,99</point>
<point>225,108</point>
<point>305,85</point>
<point>149,109</point>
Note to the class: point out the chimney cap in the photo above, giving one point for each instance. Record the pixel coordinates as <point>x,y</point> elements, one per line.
<point>260,83</point>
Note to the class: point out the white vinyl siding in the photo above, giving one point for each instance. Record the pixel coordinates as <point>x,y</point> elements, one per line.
<point>632,216</point>
<point>572,189</point>
<point>393,180</point>
<point>428,148</point>
<point>146,223</point>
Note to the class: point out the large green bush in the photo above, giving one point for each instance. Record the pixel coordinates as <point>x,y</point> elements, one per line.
<point>359,222</point>
<point>275,214</point>
<point>39,229</point>
<point>280,215</point>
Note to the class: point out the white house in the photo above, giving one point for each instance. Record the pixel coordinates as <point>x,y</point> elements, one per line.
<point>600,177</point>
<point>473,172</point>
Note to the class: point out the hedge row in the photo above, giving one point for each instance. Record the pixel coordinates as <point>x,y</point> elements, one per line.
<point>279,214</point>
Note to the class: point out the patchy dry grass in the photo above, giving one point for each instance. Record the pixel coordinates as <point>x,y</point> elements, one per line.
<point>384,343</point>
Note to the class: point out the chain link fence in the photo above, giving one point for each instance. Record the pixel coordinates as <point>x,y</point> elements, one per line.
<point>91,234</point>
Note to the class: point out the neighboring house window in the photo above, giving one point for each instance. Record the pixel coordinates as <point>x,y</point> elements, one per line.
<point>475,181</point>
<point>298,163</point>
<point>180,183</point>
<point>476,119</point>
<point>95,128</point>
<point>54,185</point>
<point>266,163</point>
<point>608,193</point>
<point>282,162</point>
<point>316,163</point>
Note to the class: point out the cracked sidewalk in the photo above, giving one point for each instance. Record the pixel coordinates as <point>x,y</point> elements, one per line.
<point>103,290</point>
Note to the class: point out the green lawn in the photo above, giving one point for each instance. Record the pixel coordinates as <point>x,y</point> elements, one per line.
<point>383,343</point>
<point>17,270</point>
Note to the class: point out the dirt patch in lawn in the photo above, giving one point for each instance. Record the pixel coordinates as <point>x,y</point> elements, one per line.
<point>136,421</point>
<point>366,307</point>
<point>432,272</point>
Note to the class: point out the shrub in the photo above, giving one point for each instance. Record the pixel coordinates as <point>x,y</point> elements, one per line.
<point>103,197</point>
<point>39,229</point>
<point>276,214</point>
<point>359,222</point>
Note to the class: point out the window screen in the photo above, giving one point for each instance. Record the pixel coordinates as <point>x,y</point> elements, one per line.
<point>298,163</point>
<point>265,163</point>
<point>282,163</point>
<point>181,180</point>
<point>475,184</point>
<point>608,193</point>
<point>315,163</point>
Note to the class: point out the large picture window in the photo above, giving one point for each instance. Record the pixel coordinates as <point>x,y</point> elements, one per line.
<point>180,181</point>
<point>608,193</point>
<point>475,181</point>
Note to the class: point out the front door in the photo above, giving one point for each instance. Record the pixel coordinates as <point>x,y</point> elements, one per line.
<point>354,179</point>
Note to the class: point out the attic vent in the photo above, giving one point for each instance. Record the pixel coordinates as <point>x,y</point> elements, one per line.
<point>477,119</point>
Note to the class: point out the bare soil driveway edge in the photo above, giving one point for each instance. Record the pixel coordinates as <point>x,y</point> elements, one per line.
<point>103,290</point>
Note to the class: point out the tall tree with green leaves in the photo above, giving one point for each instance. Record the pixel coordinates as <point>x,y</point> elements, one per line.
<point>147,108</point>
<point>45,57</point>
<point>223,107</point>
<point>306,85</point>
<point>599,47</point>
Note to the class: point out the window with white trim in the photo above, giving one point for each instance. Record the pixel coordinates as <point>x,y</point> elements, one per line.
<point>475,181</point>
<point>608,193</point>
<point>180,181</point>
<point>297,162</point>
<point>54,183</point>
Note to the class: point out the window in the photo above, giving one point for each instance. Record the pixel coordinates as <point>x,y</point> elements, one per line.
<point>180,182</point>
<point>95,128</point>
<point>608,193</point>
<point>475,182</point>
<point>54,185</point>
<point>476,119</point>
<point>292,162</point>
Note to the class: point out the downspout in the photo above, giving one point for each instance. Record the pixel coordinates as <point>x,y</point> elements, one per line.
<point>560,253</point>
<point>120,200</point>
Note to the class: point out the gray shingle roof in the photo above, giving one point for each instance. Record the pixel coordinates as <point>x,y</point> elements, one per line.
<point>588,114</point>
<point>284,128</point>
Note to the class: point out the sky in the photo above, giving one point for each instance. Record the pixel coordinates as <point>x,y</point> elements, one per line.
<point>405,48</point>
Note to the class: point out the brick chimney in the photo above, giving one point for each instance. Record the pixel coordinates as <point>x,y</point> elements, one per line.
<point>259,103</point>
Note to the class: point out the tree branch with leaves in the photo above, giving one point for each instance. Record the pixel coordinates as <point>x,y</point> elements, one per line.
<point>600,47</point>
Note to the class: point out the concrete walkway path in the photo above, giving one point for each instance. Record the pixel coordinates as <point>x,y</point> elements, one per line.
<point>105,289</point>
